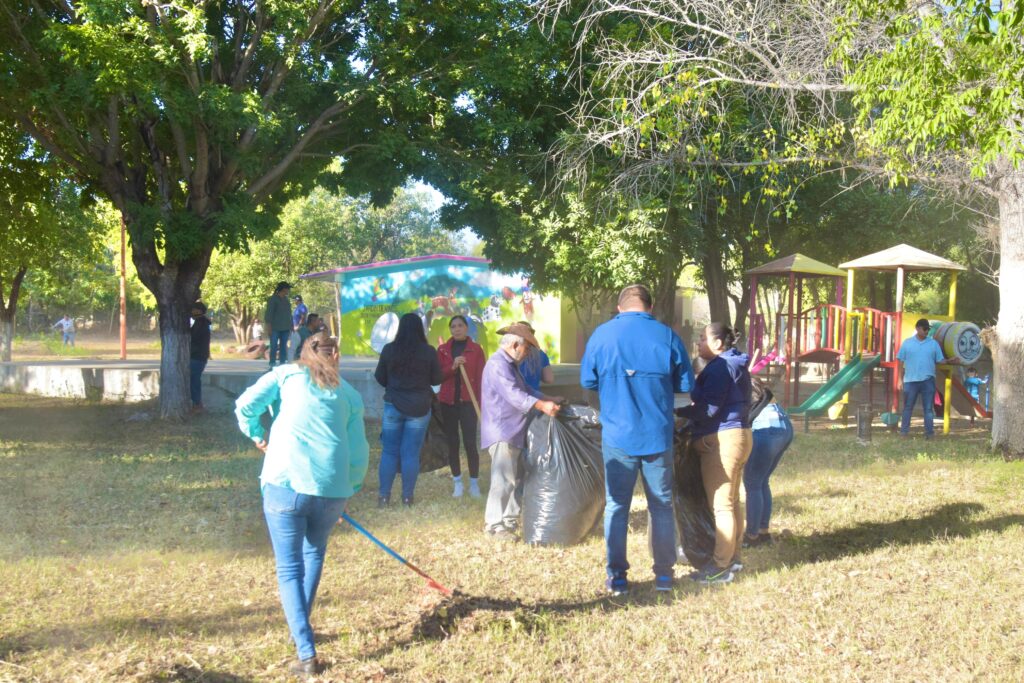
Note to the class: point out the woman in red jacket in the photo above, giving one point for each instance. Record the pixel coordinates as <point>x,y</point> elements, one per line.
<point>456,405</point>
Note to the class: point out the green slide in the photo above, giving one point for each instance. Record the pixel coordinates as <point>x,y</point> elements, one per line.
<point>847,378</point>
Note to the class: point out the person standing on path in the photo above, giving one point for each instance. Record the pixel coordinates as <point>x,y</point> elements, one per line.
<point>199,354</point>
<point>916,361</point>
<point>278,316</point>
<point>67,328</point>
<point>721,437</point>
<point>457,409</point>
<point>637,365</point>
<point>315,461</point>
<point>408,369</point>
<point>506,402</point>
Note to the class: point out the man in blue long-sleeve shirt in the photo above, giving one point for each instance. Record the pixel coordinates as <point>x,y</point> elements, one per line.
<point>637,365</point>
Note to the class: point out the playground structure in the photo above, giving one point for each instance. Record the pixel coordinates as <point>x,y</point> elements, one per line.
<point>867,338</point>
<point>795,336</point>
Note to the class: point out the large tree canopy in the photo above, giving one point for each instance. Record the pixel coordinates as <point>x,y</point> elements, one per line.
<point>199,120</point>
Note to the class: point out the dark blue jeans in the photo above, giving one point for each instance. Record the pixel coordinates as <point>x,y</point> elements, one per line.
<point>195,380</point>
<point>926,390</point>
<point>401,438</point>
<point>769,445</point>
<point>620,471</point>
<point>299,526</point>
<point>279,346</point>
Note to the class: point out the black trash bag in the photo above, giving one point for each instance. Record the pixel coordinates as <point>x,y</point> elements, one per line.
<point>694,521</point>
<point>563,494</point>
<point>434,453</point>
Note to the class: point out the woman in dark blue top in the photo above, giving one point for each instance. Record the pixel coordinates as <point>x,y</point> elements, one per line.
<point>407,369</point>
<point>720,415</point>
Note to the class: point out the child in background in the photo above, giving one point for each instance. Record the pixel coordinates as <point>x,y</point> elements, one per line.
<point>973,384</point>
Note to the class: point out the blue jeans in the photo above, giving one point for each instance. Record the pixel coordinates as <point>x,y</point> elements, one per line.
<point>769,445</point>
<point>401,439</point>
<point>69,338</point>
<point>620,480</point>
<point>926,390</point>
<point>299,526</point>
<point>195,380</point>
<point>279,346</point>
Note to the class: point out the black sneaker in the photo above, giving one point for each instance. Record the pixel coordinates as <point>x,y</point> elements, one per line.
<point>713,574</point>
<point>383,501</point>
<point>502,534</point>
<point>407,502</point>
<point>305,668</point>
<point>617,585</point>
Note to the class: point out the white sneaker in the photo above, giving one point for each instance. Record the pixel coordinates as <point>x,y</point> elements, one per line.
<point>457,492</point>
<point>474,488</point>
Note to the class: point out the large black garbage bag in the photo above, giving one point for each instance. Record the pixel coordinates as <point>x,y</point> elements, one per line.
<point>563,495</point>
<point>694,521</point>
<point>434,453</point>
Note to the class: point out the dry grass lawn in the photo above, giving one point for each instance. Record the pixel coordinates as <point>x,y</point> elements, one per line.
<point>136,552</point>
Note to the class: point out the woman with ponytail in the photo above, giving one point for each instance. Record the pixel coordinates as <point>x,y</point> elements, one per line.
<point>720,415</point>
<point>316,459</point>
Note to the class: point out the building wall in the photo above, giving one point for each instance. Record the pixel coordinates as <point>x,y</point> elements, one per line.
<point>372,303</point>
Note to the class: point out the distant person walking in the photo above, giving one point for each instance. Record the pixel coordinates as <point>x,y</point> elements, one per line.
<point>505,407</point>
<point>721,437</point>
<point>315,461</point>
<point>457,408</point>
<point>199,354</point>
<point>257,330</point>
<point>637,365</point>
<point>916,360</point>
<point>67,328</point>
<point>407,369</point>
<point>278,316</point>
<point>772,433</point>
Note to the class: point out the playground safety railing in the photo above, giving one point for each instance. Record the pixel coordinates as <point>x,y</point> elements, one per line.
<point>822,327</point>
<point>876,333</point>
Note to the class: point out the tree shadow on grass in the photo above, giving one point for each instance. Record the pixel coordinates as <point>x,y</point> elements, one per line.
<point>952,520</point>
<point>83,635</point>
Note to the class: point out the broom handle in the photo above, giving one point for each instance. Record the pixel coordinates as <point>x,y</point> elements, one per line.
<point>469,387</point>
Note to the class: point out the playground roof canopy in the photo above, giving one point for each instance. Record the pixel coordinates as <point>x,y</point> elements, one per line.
<point>904,256</point>
<point>799,265</point>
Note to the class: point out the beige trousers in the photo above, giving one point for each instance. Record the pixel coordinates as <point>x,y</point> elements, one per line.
<point>722,457</point>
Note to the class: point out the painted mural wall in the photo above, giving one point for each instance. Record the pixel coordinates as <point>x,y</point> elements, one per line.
<point>372,304</point>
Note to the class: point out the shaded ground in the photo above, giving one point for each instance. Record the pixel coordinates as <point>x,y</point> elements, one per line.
<point>136,551</point>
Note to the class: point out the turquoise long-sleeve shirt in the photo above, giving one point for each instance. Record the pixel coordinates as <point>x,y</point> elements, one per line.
<point>318,442</point>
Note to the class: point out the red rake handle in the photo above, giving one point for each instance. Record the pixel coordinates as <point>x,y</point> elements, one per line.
<point>430,582</point>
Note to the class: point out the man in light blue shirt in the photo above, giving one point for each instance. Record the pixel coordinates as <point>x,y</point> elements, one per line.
<point>637,364</point>
<point>917,358</point>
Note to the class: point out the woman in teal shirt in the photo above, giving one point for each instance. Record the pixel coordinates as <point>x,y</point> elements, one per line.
<point>316,459</point>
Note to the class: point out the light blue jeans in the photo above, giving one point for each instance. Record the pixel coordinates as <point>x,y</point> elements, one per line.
<point>299,526</point>
<point>401,438</point>
<point>769,445</point>
<point>621,471</point>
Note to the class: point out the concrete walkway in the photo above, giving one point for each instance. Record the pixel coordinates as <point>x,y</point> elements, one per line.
<point>223,381</point>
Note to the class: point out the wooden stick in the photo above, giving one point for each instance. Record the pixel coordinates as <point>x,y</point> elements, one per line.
<point>469,388</point>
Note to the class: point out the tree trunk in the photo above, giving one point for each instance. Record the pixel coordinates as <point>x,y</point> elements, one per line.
<point>175,284</point>
<point>7,311</point>
<point>665,293</point>
<point>717,285</point>
<point>1008,356</point>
